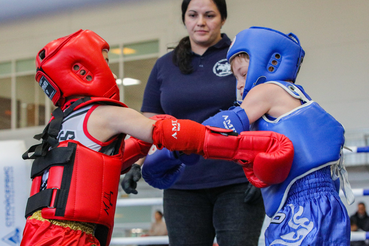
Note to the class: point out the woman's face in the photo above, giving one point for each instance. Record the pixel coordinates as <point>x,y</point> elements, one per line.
<point>203,22</point>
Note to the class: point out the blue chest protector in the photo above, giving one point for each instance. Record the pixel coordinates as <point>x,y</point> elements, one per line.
<point>316,136</point>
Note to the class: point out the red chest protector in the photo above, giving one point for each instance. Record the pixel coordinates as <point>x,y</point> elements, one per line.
<point>82,183</point>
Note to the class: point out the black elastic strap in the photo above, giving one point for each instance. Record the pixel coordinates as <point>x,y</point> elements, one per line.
<point>55,157</point>
<point>56,123</point>
<point>66,182</point>
<point>39,200</point>
<point>42,199</point>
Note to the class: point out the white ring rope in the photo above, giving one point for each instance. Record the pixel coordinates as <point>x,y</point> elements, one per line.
<point>361,192</point>
<point>139,202</point>
<point>359,236</point>
<point>355,149</point>
<point>139,240</point>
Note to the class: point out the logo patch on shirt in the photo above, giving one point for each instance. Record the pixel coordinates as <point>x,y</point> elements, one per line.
<point>222,68</point>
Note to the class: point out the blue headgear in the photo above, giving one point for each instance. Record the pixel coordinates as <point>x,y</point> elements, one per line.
<point>273,55</point>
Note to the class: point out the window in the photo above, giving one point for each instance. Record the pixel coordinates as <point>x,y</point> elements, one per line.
<point>5,103</point>
<point>133,61</point>
<point>30,99</point>
<point>31,111</point>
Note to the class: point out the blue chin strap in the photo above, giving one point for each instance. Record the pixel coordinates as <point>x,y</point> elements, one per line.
<point>273,55</point>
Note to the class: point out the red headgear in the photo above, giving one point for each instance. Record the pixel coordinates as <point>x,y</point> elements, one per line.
<point>74,66</point>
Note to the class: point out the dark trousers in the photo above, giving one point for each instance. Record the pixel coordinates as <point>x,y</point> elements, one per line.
<point>194,217</point>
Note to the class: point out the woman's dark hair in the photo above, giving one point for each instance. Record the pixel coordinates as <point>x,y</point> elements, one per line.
<point>182,53</point>
<point>221,5</point>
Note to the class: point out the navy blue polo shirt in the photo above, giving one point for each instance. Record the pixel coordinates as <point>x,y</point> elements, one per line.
<point>196,96</point>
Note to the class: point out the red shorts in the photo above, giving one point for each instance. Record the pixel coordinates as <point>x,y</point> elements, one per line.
<point>42,232</point>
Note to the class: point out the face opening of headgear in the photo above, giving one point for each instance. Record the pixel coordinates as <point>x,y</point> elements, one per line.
<point>273,55</point>
<point>74,66</point>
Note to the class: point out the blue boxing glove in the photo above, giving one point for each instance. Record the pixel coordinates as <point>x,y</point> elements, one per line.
<point>235,118</point>
<point>162,168</point>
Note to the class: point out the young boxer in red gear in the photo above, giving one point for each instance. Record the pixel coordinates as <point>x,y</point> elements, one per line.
<point>76,168</point>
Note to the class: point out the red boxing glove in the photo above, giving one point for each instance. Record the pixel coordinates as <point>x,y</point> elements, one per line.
<point>265,156</point>
<point>134,149</point>
<point>250,175</point>
<point>273,165</point>
<point>182,135</point>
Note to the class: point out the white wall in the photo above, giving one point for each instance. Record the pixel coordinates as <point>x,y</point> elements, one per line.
<point>335,37</point>
<point>128,21</point>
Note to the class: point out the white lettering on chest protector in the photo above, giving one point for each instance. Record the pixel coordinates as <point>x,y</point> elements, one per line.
<point>176,127</point>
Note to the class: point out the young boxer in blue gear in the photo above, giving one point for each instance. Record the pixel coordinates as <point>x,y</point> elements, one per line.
<point>305,209</point>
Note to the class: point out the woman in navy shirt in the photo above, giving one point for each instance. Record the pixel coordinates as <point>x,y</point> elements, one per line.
<point>194,81</point>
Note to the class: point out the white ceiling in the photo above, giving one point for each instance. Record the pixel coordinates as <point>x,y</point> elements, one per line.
<point>11,10</point>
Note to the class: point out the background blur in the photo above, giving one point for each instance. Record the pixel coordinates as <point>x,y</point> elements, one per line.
<point>333,33</point>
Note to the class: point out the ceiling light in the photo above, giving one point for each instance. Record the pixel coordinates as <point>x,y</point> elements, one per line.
<point>129,51</point>
<point>126,51</point>
<point>118,81</point>
<point>128,81</point>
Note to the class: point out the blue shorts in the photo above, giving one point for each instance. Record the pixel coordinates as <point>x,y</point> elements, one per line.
<point>312,215</point>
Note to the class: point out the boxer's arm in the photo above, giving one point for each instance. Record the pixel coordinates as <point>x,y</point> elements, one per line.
<point>271,151</point>
<point>134,149</point>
